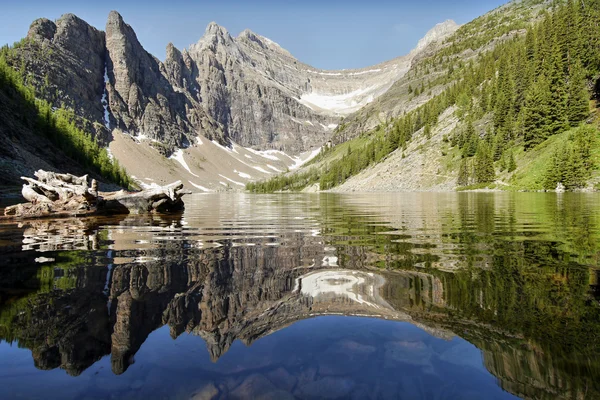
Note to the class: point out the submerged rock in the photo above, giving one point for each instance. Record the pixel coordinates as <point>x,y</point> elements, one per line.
<point>254,386</point>
<point>282,379</point>
<point>207,392</point>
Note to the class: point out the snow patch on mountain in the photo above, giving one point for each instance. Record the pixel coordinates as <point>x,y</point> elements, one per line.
<point>200,187</point>
<point>304,158</point>
<point>340,103</point>
<point>231,180</point>
<point>178,156</point>
<point>105,99</point>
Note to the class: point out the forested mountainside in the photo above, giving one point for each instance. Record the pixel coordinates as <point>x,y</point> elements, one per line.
<point>508,101</point>
<point>36,136</point>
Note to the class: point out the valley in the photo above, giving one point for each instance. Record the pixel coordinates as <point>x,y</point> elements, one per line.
<point>230,222</point>
<point>235,113</point>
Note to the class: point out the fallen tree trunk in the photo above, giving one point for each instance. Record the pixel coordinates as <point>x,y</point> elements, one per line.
<point>156,199</point>
<point>55,194</point>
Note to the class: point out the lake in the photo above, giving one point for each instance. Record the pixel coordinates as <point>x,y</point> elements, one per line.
<point>365,296</point>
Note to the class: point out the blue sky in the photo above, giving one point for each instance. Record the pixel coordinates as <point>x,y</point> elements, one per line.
<point>326,34</point>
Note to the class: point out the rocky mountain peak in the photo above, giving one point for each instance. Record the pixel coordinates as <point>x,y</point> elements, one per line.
<point>69,31</point>
<point>215,29</point>
<point>173,53</point>
<point>114,19</point>
<point>72,69</point>
<point>251,36</point>
<point>80,38</point>
<point>42,28</point>
<point>70,19</point>
<point>262,41</point>
<point>438,32</point>
<point>117,29</point>
<point>214,35</point>
<point>122,48</point>
<point>140,98</point>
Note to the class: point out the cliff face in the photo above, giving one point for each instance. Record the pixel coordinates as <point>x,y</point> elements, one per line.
<point>65,62</point>
<point>245,89</point>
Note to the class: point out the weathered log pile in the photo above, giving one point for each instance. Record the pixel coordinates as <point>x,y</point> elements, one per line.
<point>54,194</point>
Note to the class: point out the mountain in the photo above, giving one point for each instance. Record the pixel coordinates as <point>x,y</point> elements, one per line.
<point>245,91</point>
<point>500,102</point>
<point>507,101</point>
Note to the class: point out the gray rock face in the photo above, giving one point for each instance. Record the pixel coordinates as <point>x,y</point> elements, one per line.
<point>65,60</point>
<point>245,89</point>
<point>438,32</point>
<point>141,99</point>
<point>42,29</point>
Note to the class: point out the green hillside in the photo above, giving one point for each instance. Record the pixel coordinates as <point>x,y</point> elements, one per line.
<point>517,77</point>
<point>38,118</point>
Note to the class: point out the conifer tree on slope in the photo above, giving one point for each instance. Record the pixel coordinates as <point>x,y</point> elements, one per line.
<point>536,112</point>
<point>577,94</point>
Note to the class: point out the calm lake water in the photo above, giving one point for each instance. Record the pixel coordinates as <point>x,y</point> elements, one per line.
<point>382,296</point>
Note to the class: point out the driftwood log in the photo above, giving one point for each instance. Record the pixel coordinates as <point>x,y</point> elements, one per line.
<point>53,194</point>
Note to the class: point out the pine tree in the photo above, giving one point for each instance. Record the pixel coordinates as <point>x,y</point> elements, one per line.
<point>484,99</point>
<point>463,105</point>
<point>553,174</point>
<point>471,140</point>
<point>511,165</point>
<point>463,173</point>
<point>497,147</point>
<point>520,72</point>
<point>542,48</point>
<point>575,172</point>
<point>505,93</point>
<point>530,51</point>
<point>427,131</point>
<point>536,113</point>
<point>578,96</point>
<point>585,138</point>
<point>502,163</point>
<point>590,35</point>
<point>573,37</point>
<point>484,164</point>
<point>572,163</point>
<point>506,132</point>
<point>557,118</point>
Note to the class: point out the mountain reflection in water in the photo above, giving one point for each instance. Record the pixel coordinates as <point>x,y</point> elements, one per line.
<point>515,275</point>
